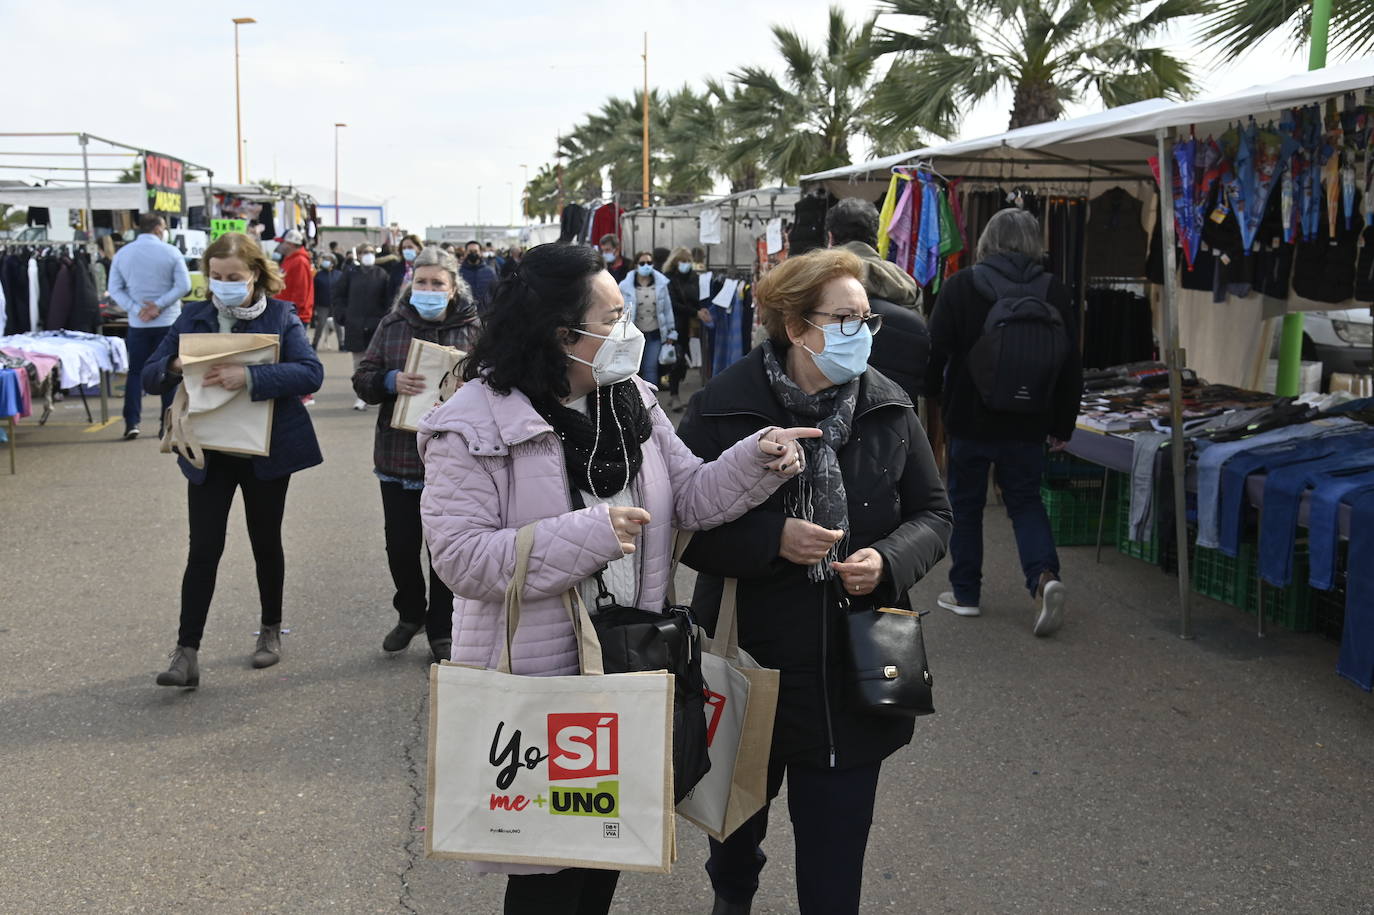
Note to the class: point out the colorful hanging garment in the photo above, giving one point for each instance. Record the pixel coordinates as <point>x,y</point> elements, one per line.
<point>1186,213</point>
<point>899,229</point>
<point>1257,161</point>
<point>926,265</point>
<point>885,217</point>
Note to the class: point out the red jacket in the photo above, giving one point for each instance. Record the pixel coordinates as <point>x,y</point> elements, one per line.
<point>300,284</point>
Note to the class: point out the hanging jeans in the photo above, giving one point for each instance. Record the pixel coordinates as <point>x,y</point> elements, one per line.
<point>1323,524</point>
<point>1213,457</point>
<point>1283,492</point>
<point>1356,661</point>
<point>1143,453</point>
<point>1018,467</point>
<point>1233,501</point>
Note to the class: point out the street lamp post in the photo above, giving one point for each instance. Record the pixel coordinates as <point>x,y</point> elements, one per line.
<point>479,212</point>
<point>525,192</point>
<point>336,172</point>
<point>510,195</point>
<point>238,108</point>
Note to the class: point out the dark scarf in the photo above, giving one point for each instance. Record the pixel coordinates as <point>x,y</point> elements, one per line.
<point>819,496</point>
<point>602,447</point>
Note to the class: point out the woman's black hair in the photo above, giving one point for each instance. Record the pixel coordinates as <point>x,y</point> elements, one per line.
<point>520,346</point>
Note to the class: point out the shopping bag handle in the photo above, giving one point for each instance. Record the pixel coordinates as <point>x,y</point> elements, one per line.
<point>177,435</point>
<point>726,641</point>
<point>588,646</point>
<point>680,542</point>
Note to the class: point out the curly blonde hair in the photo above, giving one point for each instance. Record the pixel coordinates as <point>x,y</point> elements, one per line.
<point>792,289</point>
<point>267,279</point>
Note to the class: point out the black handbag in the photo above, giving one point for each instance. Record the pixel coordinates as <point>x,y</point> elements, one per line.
<point>636,640</point>
<point>886,662</point>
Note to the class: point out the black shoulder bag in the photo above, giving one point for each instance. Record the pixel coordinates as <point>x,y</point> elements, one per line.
<point>886,661</point>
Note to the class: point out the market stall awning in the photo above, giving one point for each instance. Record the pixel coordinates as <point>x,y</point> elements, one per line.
<point>1112,139</point>
<point>73,197</point>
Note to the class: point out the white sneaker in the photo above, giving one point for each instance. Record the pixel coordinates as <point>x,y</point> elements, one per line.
<point>360,404</point>
<point>947,601</point>
<point>1050,616</point>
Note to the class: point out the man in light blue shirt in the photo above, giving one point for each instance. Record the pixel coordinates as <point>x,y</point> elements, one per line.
<point>147,279</point>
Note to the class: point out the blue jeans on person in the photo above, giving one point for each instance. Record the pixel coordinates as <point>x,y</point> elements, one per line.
<point>649,368</point>
<point>141,343</point>
<point>1018,467</point>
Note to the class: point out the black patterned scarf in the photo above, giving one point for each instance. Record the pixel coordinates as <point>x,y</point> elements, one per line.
<point>819,496</point>
<point>602,447</point>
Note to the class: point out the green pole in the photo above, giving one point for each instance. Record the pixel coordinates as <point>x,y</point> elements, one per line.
<point>1290,345</point>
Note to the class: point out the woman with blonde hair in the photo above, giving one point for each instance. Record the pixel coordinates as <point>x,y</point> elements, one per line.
<point>865,519</point>
<point>242,281</point>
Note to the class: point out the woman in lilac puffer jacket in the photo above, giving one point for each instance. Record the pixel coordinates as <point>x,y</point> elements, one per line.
<point>554,428</point>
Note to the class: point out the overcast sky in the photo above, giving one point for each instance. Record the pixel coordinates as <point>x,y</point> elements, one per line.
<point>439,97</point>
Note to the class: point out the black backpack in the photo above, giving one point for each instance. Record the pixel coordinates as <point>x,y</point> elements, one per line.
<point>1015,363</point>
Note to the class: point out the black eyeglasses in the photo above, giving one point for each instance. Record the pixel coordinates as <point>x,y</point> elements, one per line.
<point>850,324</point>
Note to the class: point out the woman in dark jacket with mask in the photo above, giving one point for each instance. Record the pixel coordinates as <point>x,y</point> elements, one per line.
<point>242,283</point>
<point>436,306</point>
<point>865,521</point>
<point>684,290</point>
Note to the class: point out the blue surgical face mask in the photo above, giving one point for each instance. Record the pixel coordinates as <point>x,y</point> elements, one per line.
<point>231,295</point>
<point>276,255</point>
<point>684,267</point>
<point>409,254</point>
<point>608,256</point>
<point>645,269</point>
<point>844,357</point>
<point>431,304</point>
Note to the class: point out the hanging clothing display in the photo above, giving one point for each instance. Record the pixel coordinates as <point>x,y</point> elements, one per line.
<point>1115,236</point>
<point>710,226</point>
<point>606,221</point>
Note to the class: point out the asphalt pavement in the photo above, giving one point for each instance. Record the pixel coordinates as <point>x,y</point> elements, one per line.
<point>1112,768</point>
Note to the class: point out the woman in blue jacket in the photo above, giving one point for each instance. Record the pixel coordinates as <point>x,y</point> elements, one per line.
<point>649,306</point>
<point>242,281</point>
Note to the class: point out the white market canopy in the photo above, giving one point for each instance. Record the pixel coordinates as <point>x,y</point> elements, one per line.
<point>1112,143</point>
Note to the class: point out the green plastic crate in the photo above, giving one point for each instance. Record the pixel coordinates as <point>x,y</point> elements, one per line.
<point>1075,507</point>
<point>1223,578</point>
<point>1290,607</point>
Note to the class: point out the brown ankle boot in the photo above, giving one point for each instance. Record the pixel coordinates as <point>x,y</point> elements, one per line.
<point>184,671</point>
<point>268,651</point>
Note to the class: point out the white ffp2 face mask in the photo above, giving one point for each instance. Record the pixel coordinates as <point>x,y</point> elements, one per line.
<point>619,355</point>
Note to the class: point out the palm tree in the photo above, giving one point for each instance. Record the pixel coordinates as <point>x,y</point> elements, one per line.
<point>613,138</point>
<point>541,194</point>
<point>1238,26</point>
<point>1047,52</point>
<point>804,120</point>
<point>11,218</point>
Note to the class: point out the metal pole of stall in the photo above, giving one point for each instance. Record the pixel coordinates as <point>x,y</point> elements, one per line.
<point>1174,359</point>
<point>89,225</point>
<point>734,221</point>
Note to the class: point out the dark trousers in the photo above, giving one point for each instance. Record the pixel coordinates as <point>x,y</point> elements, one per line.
<point>264,502</point>
<point>575,891</point>
<point>404,540</point>
<point>831,810</point>
<point>141,343</point>
<point>1018,467</point>
<point>678,370</point>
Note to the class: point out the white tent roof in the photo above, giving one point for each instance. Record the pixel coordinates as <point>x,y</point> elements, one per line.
<point>73,197</point>
<point>1110,142</point>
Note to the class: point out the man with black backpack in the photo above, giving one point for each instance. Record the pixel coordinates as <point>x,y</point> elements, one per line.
<point>1004,353</point>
